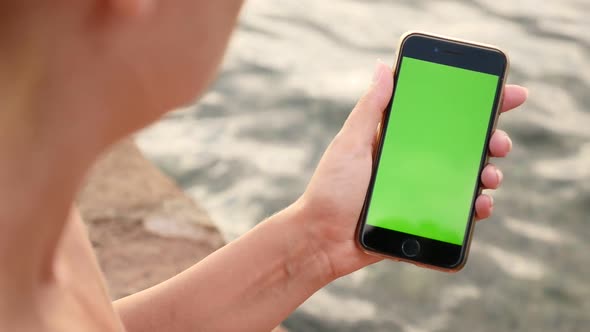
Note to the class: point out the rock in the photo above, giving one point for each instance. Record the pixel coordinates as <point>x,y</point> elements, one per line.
<point>143,227</point>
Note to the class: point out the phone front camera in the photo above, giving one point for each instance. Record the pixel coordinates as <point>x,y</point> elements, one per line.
<point>436,50</point>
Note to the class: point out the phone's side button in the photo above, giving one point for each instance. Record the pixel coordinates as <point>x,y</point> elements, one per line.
<point>411,247</point>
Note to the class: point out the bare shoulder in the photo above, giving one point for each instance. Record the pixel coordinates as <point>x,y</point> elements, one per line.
<point>75,298</point>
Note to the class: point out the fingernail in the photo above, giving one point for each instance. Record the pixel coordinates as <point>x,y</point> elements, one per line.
<point>378,72</point>
<point>491,202</point>
<point>509,141</point>
<point>500,175</point>
<point>526,91</point>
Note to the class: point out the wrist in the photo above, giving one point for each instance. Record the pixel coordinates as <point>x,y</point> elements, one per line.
<point>335,255</point>
<point>305,256</point>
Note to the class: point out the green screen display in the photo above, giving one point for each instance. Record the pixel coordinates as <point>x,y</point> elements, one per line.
<point>432,150</point>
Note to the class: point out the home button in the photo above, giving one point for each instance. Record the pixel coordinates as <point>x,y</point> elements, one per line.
<point>411,247</point>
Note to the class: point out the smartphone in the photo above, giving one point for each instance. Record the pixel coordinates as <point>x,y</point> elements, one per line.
<point>431,149</point>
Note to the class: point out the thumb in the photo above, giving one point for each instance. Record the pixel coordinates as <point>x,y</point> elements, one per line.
<point>361,125</point>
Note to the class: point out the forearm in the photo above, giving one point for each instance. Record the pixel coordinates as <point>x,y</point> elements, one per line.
<point>251,284</point>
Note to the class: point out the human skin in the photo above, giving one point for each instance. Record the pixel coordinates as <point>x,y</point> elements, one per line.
<point>75,77</point>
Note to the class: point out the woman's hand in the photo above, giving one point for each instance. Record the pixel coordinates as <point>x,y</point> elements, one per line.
<point>253,283</point>
<point>334,198</point>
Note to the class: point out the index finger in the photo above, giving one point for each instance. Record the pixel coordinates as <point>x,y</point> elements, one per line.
<point>514,96</point>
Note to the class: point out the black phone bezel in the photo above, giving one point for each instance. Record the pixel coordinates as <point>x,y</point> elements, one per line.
<point>435,254</point>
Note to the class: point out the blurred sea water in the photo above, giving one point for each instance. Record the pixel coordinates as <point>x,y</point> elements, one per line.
<point>291,76</point>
